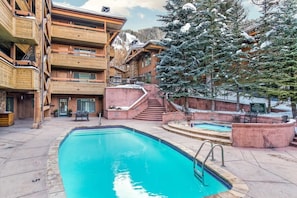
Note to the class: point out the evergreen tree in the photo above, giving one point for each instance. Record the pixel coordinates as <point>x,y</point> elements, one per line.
<point>262,64</point>
<point>283,47</point>
<point>234,70</point>
<point>211,29</point>
<point>177,68</point>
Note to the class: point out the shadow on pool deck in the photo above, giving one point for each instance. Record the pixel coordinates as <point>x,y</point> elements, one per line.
<point>24,156</point>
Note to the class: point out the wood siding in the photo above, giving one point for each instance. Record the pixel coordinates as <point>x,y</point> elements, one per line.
<point>6,75</point>
<point>26,28</point>
<point>81,88</point>
<point>78,34</point>
<point>17,29</point>
<point>28,78</point>
<point>6,17</point>
<point>18,78</point>
<point>71,61</point>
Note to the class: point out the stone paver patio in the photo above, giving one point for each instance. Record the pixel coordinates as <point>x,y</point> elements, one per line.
<point>24,154</point>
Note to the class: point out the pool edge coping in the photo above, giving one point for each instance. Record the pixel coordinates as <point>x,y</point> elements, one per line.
<point>55,185</point>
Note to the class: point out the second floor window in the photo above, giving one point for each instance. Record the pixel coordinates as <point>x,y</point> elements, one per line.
<point>85,52</point>
<point>146,60</point>
<point>84,75</point>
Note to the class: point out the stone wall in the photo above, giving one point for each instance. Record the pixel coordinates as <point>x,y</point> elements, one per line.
<point>2,101</point>
<point>263,135</point>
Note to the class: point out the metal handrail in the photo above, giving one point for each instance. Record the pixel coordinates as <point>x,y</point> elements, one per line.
<point>205,141</point>
<point>200,175</point>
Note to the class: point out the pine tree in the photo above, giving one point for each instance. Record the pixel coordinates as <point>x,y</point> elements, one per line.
<point>211,29</point>
<point>234,70</point>
<point>176,70</point>
<point>262,63</point>
<point>283,47</point>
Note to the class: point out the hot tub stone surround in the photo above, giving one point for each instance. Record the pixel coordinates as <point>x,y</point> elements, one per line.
<point>263,135</point>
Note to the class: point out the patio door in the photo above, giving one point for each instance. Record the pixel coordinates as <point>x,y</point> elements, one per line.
<point>63,106</point>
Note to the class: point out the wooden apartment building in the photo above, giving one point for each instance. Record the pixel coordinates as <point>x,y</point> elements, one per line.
<point>53,58</point>
<point>139,65</point>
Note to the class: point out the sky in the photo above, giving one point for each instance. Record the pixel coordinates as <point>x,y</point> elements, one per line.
<point>140,14</point>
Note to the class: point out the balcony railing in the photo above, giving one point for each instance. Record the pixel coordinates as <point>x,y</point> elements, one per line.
<point>77,86</point>
<point>22,29</point>
<point>26,28</point>
<point>18,77</point>
<point>78,61</point>
<point>6,17</point>
<point>78,33</point>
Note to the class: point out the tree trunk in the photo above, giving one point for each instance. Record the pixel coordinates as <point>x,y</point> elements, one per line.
<point>237,99</point>
<point>186,105</point>
<point>293,107</point>
<point>269,104</point>
<point>213,104</point>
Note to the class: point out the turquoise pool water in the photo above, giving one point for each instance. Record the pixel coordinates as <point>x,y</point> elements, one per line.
<point>119,162</point>
<point>213,127</point>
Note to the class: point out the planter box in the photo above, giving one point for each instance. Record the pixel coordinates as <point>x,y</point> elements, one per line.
<point>6,119</point>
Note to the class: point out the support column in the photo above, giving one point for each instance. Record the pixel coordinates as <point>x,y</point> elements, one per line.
<point>37,110</point>
<point>2,101</point>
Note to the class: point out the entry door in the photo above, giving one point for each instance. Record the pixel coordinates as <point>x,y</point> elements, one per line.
<point>63,106</point>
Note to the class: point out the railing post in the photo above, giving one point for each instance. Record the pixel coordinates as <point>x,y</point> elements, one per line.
<point>99,119</point>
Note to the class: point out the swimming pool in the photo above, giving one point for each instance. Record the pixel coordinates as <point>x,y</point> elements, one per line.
<point>120,162</point>
<point>213,127</point>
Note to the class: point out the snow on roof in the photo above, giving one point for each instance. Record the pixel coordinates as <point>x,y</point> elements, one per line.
<point>79,9</point>
<point>142,45</point>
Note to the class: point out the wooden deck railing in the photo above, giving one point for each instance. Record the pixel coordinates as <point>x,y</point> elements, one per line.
<point>77,53</point>
<point>76,80</point>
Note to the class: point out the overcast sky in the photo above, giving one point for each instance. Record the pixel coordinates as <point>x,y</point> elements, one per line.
<point>139,13</point>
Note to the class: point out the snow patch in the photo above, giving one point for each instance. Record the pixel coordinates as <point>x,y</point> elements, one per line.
<point>265,44</point>
<point>185,28</point>
<point>248,37</point>
<point>189,6</point>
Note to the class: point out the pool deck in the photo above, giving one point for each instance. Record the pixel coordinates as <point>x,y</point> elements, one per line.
<point>24,154</point>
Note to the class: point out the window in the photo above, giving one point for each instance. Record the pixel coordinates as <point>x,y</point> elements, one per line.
<point>84,75</point>
<point>9,104</point>
<point>147,60</point>
<point>148,77</point>
<point>86,104</point>
<point>84,52</point>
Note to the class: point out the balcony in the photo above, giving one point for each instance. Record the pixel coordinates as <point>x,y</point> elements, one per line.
<point>76,86</point>
<point>18,78</point>
<point>20,29</point>
<point>6,25</point>
<point>71,61</point>
<point>26,30</point>
<point>78,34</point>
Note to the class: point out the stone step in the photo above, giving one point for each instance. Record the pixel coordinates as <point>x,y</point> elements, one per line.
<point>216,140</point>
<point>151,114</point>
<point>154,103</point>
<point>294,143</point>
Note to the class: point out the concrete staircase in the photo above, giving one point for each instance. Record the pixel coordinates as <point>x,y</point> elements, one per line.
<point>153,112</point>
<point>217,138</point>
<point>294,142</point>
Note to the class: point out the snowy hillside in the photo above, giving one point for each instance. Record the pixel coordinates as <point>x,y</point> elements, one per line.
<point>127,38</point>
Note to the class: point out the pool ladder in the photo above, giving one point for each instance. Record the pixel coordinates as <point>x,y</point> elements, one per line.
<point>200,173</point>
